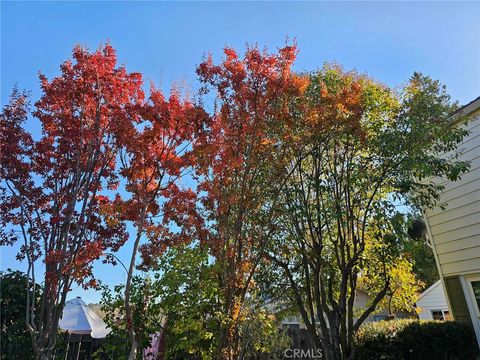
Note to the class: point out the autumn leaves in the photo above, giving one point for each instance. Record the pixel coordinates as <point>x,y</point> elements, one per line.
<point>290,170</point>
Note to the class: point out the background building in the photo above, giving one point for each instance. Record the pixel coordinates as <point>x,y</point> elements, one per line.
<point>432,303</point>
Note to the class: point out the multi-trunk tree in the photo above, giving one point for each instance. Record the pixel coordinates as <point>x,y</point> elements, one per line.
<point>366,153</point>
<point>53,188</point>
<point>309,176</point>
<point>237,166</point>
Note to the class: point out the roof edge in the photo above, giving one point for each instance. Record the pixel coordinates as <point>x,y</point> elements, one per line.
<point>433,286</point>
<point>468,108</point>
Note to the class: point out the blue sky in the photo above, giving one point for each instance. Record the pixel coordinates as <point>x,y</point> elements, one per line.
<point>165,41</point>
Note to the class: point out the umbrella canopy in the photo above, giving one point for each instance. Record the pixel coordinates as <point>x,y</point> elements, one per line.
<point>78,318</point>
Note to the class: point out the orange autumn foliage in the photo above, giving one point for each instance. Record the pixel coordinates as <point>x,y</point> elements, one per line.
<point>238,167</point>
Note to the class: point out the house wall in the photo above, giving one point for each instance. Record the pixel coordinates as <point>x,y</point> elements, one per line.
<point>456,230</point>
<point>433,300</point>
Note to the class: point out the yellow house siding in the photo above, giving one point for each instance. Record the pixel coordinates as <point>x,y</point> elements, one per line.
<point>457,224</point>
<point>465,254</point>
<point>459,234</point>
<point>465,266</point>
<point>455,231</point>
<point>456,212</point>
<point>457,244</point>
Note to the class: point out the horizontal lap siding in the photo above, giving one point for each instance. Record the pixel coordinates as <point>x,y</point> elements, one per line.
<point>457,224</point>
<point>456,230</point>
<point>457,203</point>
<point>454,213</point>
<point>461,266</point>
<point>456,245</point>
<point>434,299</point>
<point>466,144</point>
<point>462,188</point>
<point>466,178</point>
<point>459,234</point>
<point>472,126</point>
<point>465,254</point>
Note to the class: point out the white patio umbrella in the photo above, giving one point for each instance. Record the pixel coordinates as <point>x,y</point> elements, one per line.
<point>78,318</point>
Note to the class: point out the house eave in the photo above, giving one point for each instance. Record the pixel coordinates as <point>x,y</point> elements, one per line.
<point>433,286</point>
<point>467,109</point>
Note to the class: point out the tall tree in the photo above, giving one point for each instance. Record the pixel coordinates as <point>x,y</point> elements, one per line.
<point>366,151</point>
<point>53,189</point>
<point>156,154</point>
<point>237,163</point>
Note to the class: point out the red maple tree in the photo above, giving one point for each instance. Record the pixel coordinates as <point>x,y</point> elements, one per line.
<point>155,156</point>
<point>53,194</point>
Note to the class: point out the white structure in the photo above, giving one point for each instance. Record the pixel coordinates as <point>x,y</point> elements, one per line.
<point>78,318</point>
<point>432,303</point>
<point>455,232</point>
<point>361,301</point>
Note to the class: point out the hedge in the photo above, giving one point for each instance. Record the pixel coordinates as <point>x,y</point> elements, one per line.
<point>414,339</point>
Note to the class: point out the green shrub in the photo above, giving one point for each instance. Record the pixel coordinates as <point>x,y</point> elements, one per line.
<point>413,339</point>
<point>16,342</point>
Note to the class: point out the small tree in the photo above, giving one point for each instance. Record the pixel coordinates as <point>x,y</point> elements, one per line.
<point>366,151</point>
<point>147,318</point>
<point>188,293</point>
<point>180,301</point>
<point>51,188</point>
<point>404,286</point>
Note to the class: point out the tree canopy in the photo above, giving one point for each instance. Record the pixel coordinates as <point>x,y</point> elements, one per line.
<point>297,185</point>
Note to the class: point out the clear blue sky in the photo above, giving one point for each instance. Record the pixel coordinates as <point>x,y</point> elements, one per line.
<point>165,41</point>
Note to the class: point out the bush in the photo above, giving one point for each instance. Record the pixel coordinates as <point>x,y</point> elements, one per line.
<point>16,342</point>
<point>260,338</point>
<point>413,339</point>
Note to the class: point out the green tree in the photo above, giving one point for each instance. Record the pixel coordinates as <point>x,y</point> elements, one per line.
<point>364,154</point>
<point>261,339</point>
<point>179,298</point>
<point>16,341</point>
<point>147,318</point>
<point>188,293</point>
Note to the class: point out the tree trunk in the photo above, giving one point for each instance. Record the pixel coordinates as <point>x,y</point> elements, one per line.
<point>134,346</point>
<point>228,343</point>
<point>128,287</point>
<point>44,353</point>
<point>45,338</point>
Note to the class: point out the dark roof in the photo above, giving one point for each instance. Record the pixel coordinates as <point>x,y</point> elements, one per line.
<point>466,106</point>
